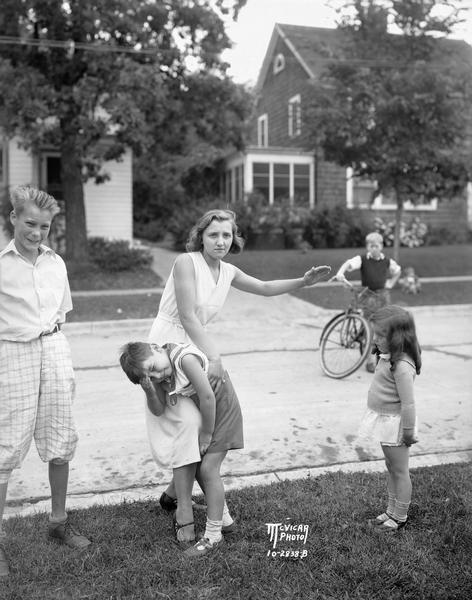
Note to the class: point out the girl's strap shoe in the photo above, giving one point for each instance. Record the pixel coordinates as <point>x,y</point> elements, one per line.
<point>391,525</point>
<point>202,547</point>
<point>179,527</point>
<point>381,519</point>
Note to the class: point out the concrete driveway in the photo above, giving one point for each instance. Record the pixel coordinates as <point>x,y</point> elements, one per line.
<point>296,419</point>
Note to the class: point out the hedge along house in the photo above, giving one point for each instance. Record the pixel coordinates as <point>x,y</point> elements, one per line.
<point>279,162</point>
<point>108,206</point>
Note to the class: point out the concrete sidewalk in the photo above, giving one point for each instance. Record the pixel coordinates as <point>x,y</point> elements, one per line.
<point>297,421</point>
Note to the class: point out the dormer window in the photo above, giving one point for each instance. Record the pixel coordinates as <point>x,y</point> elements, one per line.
<point>279,63</point>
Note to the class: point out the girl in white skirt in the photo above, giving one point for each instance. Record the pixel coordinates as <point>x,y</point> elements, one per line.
<point>390,417</point>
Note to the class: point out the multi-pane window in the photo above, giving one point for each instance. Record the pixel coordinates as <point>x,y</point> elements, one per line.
<point>294,116</point>
<point>262,131</point>
<point>363,191</point>
<point>301,184</point>
<point>281,181</point>
<point>239,183</point>
<point>234,184</point>
<point>261,178</point>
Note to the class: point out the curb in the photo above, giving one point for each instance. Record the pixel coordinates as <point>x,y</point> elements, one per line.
<point>83,501</point>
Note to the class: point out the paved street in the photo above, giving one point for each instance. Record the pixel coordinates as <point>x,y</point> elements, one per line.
<point>294,416</point>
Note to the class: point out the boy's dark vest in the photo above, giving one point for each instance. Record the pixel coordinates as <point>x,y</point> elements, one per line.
<point>374,273</point>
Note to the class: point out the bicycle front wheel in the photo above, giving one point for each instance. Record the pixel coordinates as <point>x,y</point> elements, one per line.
<point>344,345</point>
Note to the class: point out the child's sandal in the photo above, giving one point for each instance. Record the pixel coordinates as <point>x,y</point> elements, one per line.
<point>391,525</point>
<point>179,527</point>
<point>381,519</point>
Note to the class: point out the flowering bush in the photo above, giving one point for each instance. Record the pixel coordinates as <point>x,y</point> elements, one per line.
<point>411,235</point>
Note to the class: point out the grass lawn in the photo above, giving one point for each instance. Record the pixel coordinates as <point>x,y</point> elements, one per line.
<point>90,277</point>
<point>133,555</point>
<point>428,261</point>
<point>431,261</point>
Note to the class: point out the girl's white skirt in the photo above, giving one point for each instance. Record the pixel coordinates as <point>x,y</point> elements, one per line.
<point>386,429</point>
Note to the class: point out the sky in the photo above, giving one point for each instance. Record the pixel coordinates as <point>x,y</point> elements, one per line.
<point>251,33</point>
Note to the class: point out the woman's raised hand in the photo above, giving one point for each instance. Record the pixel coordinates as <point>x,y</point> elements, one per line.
<point>315,274</point>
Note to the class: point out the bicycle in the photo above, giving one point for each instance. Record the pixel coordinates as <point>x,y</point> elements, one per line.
<point>346,340</point>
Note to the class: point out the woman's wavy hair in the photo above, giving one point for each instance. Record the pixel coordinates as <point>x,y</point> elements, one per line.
<point>195,238</point>
<point>400,333</point>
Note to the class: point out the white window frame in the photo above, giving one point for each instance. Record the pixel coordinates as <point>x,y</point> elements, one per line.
<point>279,63</point>
<point>377,203</point>
<point>263,131</point>
<point>294,116</point>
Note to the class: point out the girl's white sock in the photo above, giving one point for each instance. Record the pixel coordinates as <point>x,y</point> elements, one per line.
<point>227,518</point>
<point>400,513</point>
<point>213,531</point>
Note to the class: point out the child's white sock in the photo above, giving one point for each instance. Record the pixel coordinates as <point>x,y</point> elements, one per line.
<point>227,518</point>
<point>391,504</point>
<point>213,531</point>
<point>400,513</point>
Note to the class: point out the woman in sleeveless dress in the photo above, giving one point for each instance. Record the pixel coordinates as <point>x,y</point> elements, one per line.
<point>193,296</point>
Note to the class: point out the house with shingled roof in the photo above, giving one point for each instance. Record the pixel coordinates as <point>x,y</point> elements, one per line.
<point>279,162</point>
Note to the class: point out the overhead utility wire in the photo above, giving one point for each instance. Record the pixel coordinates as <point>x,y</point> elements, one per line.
<point>70,45</point>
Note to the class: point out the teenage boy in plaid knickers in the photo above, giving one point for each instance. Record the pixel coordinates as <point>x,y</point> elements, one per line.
<point>36,375</point>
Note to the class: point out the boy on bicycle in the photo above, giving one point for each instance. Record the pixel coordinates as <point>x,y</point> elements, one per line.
<point>378,273</point>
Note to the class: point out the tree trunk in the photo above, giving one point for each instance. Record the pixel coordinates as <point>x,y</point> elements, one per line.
<point>72,185</point>
<point>396,237</point>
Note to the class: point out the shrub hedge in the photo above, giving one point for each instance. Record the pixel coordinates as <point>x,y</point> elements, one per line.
<point>118,255</point>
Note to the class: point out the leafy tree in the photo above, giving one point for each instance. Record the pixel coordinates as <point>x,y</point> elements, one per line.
<point>88,77</point>
<point>185,161</point>
<point>397,110</point>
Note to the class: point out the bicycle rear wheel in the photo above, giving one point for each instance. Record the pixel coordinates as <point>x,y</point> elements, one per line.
<point>344,345</point>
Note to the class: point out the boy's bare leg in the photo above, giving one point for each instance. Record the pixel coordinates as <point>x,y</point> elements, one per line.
<point>60,530</point>
<point>58,480</point>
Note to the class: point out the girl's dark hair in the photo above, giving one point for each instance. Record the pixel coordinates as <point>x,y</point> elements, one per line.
<point>400,333</point>
<point>132,357</point>
<point>195,238</point>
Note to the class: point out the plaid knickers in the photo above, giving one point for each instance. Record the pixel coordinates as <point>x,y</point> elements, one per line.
<point>36,394</point>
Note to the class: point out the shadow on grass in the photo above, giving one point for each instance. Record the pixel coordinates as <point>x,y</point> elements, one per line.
<point>134,556</point>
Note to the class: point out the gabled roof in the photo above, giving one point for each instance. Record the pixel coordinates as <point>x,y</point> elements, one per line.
<point>310,45</point>
<point>306,44</point>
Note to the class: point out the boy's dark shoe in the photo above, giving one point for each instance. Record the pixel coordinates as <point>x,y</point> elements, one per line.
<point>4,566</point>
<point>64,533</point>
<point>230,529</point>
<point>168,503</point>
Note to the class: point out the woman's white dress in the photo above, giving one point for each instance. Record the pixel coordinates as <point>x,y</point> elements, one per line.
<point>174,435</point>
